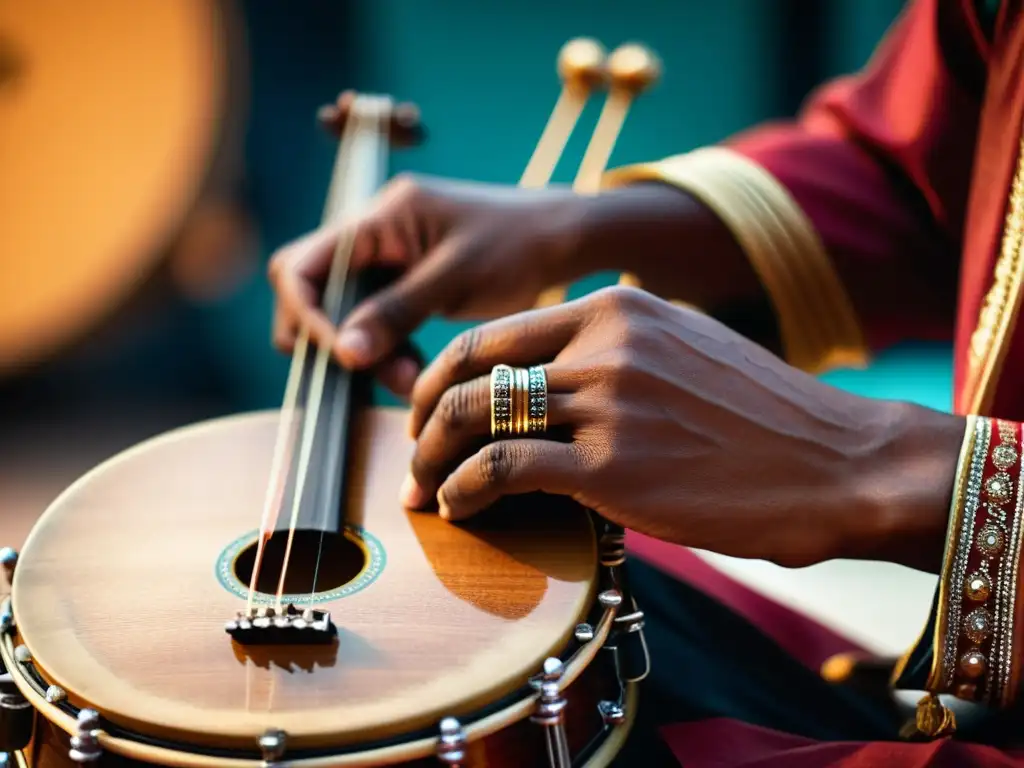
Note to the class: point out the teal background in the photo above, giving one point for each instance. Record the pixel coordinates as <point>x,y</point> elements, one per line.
<point>484,77</point>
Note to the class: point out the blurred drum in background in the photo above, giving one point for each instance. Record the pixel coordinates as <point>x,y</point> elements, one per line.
<point>119,133</point>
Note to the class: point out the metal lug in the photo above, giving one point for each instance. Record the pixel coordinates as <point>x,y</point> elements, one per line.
<point>85,744</point>
<point>611,712</point>
<point>550,714</point>
<point>55,694</point>
<point>16,716</point>
<point>273,744</point>
<point>8,561</point>
<point>584,633</point>
<point>451,746</point>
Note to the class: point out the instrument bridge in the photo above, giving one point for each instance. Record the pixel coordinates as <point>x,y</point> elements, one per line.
<point>291,626</point>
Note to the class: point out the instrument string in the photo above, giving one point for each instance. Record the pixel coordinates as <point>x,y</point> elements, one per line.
<point>378,121</point>
<point>286,435</point>
<point>365,117</point>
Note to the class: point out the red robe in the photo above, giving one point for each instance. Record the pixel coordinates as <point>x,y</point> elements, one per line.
<point>906,171</point>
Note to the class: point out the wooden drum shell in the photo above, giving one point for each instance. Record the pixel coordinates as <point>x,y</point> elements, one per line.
<point>60,610</point>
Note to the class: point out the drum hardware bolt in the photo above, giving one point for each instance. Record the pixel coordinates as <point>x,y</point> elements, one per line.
<point>634,621</point>
<point>8,559</point>
<point>17,716</point>
<point>272,745</point>
<point>6,619</point>
<point>22,654</point>
<point>613,549</point>
<point>611,713</point>
<point>584,633</point>
<point>451,746</point>
<point>552,670</point>
<point>610,598</point>
<point>550,714</point>
<point>85,744</point>
<point>55,694</point>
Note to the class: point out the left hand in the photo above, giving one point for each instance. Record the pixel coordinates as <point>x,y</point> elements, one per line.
<point>680,429</point>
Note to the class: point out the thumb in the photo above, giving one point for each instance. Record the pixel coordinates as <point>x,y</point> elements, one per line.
<point>384,321</point>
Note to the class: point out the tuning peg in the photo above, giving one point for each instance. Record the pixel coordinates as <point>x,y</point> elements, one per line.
<point>406,126</point>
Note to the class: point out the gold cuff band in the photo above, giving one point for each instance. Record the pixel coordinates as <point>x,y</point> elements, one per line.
<point>817,322</point>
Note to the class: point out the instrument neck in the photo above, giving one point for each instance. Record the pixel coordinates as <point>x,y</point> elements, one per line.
<point>359,171</point>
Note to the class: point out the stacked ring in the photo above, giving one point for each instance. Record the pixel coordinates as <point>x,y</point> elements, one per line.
<point>519,401</point>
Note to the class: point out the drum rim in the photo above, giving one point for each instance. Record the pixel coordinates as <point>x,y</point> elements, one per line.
<point>418,744</point>
<point>127,721</point>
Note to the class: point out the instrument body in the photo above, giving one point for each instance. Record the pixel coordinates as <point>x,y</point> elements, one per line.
<point>122,589</point>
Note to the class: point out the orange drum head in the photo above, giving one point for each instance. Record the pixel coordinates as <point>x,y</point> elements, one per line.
<point>108,119</point>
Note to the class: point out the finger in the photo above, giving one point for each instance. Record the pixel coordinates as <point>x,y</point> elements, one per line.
<point>377,326</point>
<point>294,271</point>
<point>459,425</point>
<point>522,339</point>
<point>505,468</point>
<point>398,373</point>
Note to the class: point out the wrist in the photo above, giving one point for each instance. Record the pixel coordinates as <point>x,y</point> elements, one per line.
<point>903,486</point>
<point>672,242</point>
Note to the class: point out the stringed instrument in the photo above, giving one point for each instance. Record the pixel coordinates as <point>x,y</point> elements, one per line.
<point>116,119</point>
<point>248,591</point>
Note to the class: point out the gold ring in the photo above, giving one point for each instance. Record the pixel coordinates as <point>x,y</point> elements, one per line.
<point>501,400</point>
<point>537,400</point>
<point>519,401</point>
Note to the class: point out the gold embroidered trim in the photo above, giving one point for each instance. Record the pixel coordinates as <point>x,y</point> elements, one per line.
<point>964,505</point>
<point>819,327</point>
<point>1001,304</point>
<point>973,645</point>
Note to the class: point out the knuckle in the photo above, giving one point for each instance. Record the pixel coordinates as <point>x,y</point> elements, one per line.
<point>392,312</point>
<point>618,299</point>
<point>463,352</point>
<point>405,188</point>
<point>277,265</point>
<point>497,463</point>
<point>453,408</point>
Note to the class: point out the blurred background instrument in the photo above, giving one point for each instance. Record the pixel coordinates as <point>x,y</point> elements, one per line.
<point>119,125</point>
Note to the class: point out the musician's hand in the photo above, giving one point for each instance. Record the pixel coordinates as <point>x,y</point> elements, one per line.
<point>468,251</point>
<point>677,427</point>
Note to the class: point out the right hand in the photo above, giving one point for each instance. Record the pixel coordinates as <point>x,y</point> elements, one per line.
<point>464,250</point>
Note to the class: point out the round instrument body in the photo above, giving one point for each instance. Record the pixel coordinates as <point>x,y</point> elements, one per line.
<point>110,114</point>
<point>123,588</point>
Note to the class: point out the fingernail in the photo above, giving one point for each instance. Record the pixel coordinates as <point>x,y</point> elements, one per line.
<point>354,342</point>
<point>443,510</point>
<point>411,495</point>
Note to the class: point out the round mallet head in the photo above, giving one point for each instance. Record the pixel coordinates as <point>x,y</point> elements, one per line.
<point>581,63</point>
<point>633,68</point>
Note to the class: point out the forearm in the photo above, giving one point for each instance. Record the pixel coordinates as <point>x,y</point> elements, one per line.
<point>673,243</point>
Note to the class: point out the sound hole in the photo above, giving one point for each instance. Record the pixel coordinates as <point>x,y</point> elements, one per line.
<point>341,560</point>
